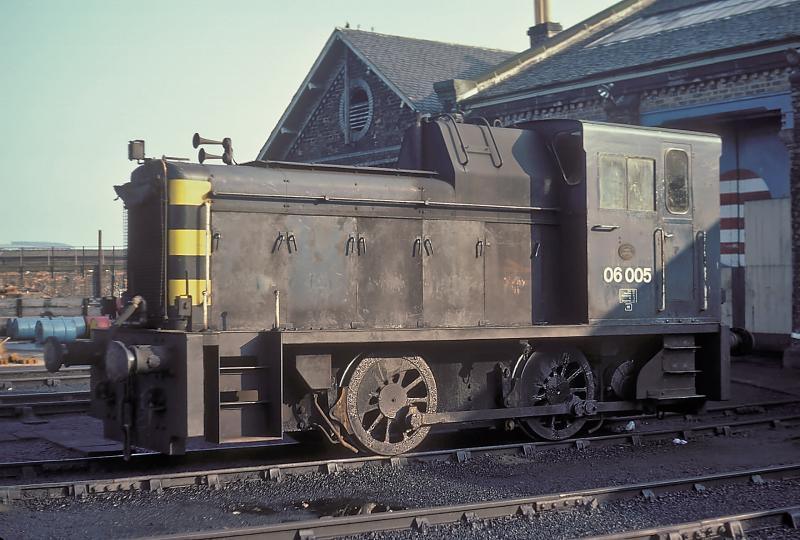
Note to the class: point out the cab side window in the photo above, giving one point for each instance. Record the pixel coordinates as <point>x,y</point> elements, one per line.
<point>612,182</point>
<point>627,183</point>
<point>641,184</point>
<point>676,176</point>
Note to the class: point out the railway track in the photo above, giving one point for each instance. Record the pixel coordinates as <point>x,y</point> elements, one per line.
<point>15,379</point>
<point>718,527</point>
<point>54,403</point>
<point>43,403</point>
<point>421,519</point>
<point>275,469</point>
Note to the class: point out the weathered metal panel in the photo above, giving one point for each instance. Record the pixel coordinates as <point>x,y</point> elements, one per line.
<point>768,304</point>
<point>452,271</point>
<point>194,379</point>
<point>768,276</point>
<point>508,278</point>
<point>768,232</point>
<point>680,256</point>
<point>322,282</point>
<point>389,277</point>
<point>247,267</point>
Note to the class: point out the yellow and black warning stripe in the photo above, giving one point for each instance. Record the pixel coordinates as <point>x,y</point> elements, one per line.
<point>186,239</point>
<point>188,192</point>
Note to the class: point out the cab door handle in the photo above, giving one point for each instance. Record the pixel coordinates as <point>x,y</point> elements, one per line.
<point>605,228</point>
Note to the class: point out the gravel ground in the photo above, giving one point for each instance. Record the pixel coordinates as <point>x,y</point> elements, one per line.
<point>418,485</point>
<point>623,515</point>
<point>33,449</point>
<point>775,534</point>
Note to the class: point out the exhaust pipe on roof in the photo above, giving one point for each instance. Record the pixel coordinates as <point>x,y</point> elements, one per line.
<point>544,28</point>
<point>541,10</point>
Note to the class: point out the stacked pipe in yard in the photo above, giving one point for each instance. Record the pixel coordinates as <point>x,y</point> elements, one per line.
<point>38,308</point>
<point>65,329</point>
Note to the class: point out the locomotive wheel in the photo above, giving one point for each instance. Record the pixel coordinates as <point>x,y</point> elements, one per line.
<point>554,377</point>
<point>382,394</point>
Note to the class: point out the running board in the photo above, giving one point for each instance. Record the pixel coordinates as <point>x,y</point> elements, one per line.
<point>457,417</point>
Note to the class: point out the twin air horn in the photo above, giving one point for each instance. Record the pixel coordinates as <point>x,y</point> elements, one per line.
<point>227,146</point>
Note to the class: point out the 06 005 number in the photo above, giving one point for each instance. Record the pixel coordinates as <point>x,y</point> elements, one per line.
<point>635,274</point>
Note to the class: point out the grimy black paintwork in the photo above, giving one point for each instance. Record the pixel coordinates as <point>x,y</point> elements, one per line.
<point>488,272</point>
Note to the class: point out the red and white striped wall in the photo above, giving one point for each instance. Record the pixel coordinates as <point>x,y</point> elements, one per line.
<point>735,188</point>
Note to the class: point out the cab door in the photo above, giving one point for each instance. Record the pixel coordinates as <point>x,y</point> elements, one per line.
<point>674,237</point>
<point>621,215</point>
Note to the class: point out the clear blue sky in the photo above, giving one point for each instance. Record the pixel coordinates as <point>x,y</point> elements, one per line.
<point>80,78</point>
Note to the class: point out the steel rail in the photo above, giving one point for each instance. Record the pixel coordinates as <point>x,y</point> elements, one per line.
<point>732,526</point>
<point>44,403</point>
<point>725,409</point>
<point>30,378</point>
<point>218,477</point>
<point>423,518</point>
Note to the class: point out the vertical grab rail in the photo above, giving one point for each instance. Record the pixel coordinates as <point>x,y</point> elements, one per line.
<point>207,291</point>
<point>452,119</point>
<point>662,236</point>
<point>702,234</point>
<point>499,163</point>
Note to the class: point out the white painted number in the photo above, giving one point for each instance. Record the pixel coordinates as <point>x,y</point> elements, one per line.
<point>628,275</point>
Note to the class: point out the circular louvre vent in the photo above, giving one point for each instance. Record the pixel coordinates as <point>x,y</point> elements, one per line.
<point>358,116</point>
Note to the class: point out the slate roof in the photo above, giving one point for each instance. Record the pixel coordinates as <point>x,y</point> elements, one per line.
<point>414,65</point>
<point>584,60</point>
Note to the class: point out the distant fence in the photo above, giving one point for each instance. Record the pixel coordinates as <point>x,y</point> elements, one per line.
<point>63,272</point>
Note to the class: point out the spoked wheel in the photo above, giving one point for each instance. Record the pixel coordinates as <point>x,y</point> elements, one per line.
<point>555,377</point>
<point>383,394</point>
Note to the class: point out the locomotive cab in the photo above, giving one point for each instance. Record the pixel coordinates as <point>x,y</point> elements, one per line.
<point>652,252</point>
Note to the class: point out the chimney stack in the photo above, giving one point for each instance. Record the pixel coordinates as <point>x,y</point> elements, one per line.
<point>543,29</point>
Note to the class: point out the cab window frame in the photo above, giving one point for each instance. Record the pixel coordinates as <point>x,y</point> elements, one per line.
<point>687,183</point>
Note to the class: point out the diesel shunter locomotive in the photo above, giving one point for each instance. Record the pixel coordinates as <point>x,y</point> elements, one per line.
<point>544,277</point>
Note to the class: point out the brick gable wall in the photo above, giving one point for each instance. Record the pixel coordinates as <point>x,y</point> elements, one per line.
<point>322,136</point>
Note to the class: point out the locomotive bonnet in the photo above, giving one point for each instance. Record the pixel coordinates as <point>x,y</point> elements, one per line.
<point>542,276</point>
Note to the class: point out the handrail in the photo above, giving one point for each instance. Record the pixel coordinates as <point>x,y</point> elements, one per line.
<point>382,202</point>
<point>458,133</point>
<point>662,235</point>
<point>705,269</point>
<point>499,162</point>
